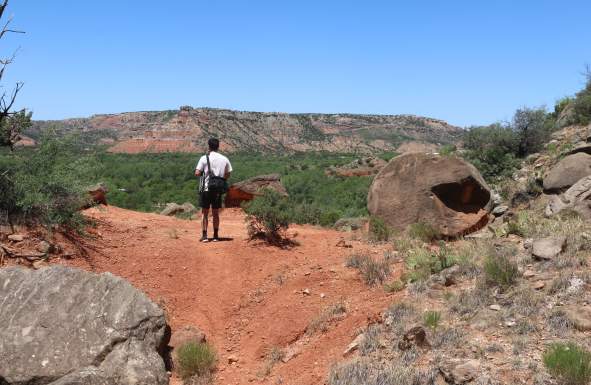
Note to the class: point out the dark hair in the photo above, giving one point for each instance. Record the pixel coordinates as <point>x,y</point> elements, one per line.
<point>213,144</point>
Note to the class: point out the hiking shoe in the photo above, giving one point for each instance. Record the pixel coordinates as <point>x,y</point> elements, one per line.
<point>204,239</point>
<point>215,239</point>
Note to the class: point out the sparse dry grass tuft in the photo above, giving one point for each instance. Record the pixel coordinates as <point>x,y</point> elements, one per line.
<point>323,320</point>
<point>373,272</point>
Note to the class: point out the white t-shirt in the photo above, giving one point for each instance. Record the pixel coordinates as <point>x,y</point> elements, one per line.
<point>220,165</point>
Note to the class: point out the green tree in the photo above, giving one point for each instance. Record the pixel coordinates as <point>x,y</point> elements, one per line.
<point>12,123</point>
<point>533,128</point>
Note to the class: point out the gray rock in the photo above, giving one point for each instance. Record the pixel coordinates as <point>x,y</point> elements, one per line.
<point>567,172</point>
<point>548,248</point>
<point>580,316</point>
<point>175,208</point>
<point>349,224</point>
<point>500,210</point>
<point>458,371</point>
<point>576,198</point>
<point>64,326</point>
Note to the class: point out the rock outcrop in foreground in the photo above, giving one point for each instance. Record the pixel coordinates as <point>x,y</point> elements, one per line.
<point>444,192</point>
<point>64,326</point>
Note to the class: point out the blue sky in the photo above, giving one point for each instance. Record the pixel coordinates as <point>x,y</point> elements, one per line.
<point>468,62</point>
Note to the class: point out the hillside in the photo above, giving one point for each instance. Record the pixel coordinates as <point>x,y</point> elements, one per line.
<point>183,130</point>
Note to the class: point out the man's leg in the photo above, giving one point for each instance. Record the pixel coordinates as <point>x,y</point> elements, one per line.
<point>204,223</point>
<point>216,223</point>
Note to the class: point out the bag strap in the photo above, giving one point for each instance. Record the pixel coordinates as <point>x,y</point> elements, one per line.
<point>208,166</point>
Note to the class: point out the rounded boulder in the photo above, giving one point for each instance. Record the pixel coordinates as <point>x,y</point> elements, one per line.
<point>444,192</point>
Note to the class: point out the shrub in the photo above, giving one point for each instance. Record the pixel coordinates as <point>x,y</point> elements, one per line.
<point>379,230</point>
<point>569,363</point>
<point>394,286</point>
<point>422,263</point>
<point>431,319</point>
<point>423,231</point>
<point>500,271</point>
<point>267,217</point>
<point>195,359</point>
<point>47,185</point>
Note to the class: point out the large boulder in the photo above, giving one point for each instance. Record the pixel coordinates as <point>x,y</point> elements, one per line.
<point>64,326</point>
<point>576,198</point>
<point>444,192</point>
<point>175,208</point>
<point>567,172</point>
<point>248,189</point>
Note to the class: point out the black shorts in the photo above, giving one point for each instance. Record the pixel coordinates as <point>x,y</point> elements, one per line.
<point>209,199</point>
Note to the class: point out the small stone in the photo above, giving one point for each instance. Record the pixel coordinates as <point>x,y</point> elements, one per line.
<point>232,359</point>
<point>500,210</point>
<point>16,237</point>
<point>495,307</point>
<point>354,344</point>
<point>539,285</point>
<point>306,292</point>
<point>510,323</point>
<point>528,274</point>
<point>322,295</point>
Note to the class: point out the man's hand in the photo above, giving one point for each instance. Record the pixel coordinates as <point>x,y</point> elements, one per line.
<point>197,172</point>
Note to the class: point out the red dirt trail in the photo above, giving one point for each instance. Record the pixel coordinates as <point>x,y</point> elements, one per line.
<point>247,297</point>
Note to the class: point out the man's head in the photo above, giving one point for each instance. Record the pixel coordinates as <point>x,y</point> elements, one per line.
<point>213,144</point>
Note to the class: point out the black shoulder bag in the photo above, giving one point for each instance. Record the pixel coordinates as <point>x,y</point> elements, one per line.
<point>217,184</point>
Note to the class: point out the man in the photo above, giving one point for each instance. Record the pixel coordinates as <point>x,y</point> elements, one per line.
<point>220,167</point>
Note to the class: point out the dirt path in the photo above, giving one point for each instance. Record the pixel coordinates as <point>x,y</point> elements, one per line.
<point>248,298</point>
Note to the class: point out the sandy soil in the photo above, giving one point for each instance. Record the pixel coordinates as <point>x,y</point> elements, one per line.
<point>247,297</point>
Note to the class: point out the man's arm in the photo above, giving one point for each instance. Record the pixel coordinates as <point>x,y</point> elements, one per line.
<point>228,171</point>
<point>200,167</point>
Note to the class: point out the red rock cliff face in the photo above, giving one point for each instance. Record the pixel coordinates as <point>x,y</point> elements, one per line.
<point>187,129</point>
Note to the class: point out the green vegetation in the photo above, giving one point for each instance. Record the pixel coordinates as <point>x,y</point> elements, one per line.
<point>144,181</point>
<point>379,230</point>
<point>47,185</point>
<point>500,270</point>
<point>423,231</point>
<point>569,363</point>
<point>195,359</point>
<point>268,217</point>
<point>394,286</point>
<point>421,263</point>
<point>431,319</point>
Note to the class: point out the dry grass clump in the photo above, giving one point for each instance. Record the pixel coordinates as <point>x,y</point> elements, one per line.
<point>371,340</point>
<point>447,336</point>
<point>364,371</point>
<point>471,300</point>
<point>274,356</point>
<point>499,269</point>
<point>323,320</point>
<point>558,323</point>
<point>373,272</point>
<point>526,301</point>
